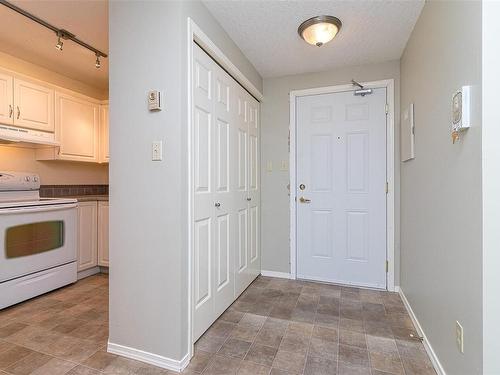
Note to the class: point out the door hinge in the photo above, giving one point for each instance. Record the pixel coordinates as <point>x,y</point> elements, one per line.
<point>386,187</point>
<point>386,266</point>
<point>386,108</point>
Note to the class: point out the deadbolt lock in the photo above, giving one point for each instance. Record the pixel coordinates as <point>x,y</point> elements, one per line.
<point>302,187</point>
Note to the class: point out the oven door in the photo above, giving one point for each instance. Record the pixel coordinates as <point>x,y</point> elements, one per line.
<point>36,238</point>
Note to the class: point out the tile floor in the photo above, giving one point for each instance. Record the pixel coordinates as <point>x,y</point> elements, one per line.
<point>276,327</point>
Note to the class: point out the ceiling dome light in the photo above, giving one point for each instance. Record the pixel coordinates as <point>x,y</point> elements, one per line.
<point>319,30</point>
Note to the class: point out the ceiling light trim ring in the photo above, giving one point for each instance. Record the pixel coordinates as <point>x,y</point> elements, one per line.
<point>316,20</point>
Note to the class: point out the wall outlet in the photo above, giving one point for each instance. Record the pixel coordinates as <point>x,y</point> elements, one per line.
<point>459,331</point>
<point>156,150</point>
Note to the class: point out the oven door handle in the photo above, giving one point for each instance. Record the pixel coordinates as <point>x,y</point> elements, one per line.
<point>36,209</point>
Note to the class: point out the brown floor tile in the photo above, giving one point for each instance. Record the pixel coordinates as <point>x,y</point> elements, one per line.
<point>231,315</point>
<point>100,360</point>
<point>13,354</point>
<point>82,370</point>
<point>235,348</point>
<point>245,333</point>
<point>220,329</point>
<point>210,344</point>
<point>347,369</point>
<point>261,354</point>
<point>381,344</point>
<point>352,338</point>
<point>223,366</point>
<point>277,371</point>
<point>320,366</point>
<point>323,348</point>
<point>28,364</point>
<point>352,355</point>
<point>249,368</point>
<point>292,362</point>
<point>325,333</point>
<point>386,362</point>
<point>352,325</point>
<point>199,362</point>
<point>55,366</point>
<point>11,329</point>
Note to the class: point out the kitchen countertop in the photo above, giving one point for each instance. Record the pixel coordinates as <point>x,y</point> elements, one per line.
<point>89,198</point>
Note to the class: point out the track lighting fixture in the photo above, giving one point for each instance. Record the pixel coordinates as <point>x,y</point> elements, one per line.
<point>60,43</point>
<point>62,34</point>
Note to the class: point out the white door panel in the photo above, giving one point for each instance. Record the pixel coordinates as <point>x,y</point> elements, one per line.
<point>341,160</point>
<point>225,161</point>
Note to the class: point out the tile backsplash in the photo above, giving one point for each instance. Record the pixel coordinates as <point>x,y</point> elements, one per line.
<point>49,191</point>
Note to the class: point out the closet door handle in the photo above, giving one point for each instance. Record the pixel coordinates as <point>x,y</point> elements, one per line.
<point>11,110</point>
<point>18,112</point>
<point>217,204</point>
<point>249,199</point>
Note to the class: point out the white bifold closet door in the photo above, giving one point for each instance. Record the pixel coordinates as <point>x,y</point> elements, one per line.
<point>226,203</point>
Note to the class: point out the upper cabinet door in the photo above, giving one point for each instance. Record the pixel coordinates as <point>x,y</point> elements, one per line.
<point>104,134</point>
<point>77,128</point>
<point>6,99</point>
<point>34,106</point>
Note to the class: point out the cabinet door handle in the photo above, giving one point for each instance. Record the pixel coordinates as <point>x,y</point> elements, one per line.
<point>217,205</point>
<point>11,110</point>
<point>18,112</point>
<point>249,199</point>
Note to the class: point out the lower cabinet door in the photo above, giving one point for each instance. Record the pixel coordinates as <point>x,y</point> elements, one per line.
<point>103,233</point>
<point>87,235</point>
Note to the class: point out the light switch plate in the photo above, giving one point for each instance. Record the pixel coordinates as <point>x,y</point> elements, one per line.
<point>269,166</point>
<point>157,152</point>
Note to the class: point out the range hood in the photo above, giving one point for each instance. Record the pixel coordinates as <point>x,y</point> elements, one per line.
<point>12,135</point>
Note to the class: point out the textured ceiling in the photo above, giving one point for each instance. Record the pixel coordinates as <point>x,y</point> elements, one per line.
<point>266,32</point>
<point>29,41</point>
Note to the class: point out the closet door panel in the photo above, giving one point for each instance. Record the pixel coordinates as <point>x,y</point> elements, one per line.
<point>203,187</point>
<point>253,193</point>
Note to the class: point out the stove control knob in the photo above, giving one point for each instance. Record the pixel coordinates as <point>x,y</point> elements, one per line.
<point>27,178</point>
<point>35,179</point>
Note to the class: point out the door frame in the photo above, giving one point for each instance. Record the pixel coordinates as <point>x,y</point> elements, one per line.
<point>388,84</point>
<point>196,35</point>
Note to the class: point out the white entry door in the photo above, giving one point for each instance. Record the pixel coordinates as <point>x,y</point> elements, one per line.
<point>226,253</point>
<point>341,188</point>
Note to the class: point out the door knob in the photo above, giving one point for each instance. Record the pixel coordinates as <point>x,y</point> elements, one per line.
<point>304,200</point>
<point>249,199</point>
<point>217,204</point>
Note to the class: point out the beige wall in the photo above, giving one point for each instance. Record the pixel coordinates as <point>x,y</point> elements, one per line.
<point>23,159</point>
<point>274,140</point>
<point>441,216</point>
<point>52,172</point>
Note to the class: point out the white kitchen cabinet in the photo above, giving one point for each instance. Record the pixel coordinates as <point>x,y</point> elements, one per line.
<point>103,233</point>
<point>6,99</point>
<point>33,105</point>
<point>77,130</point>
<point>104,134</point>
<point>87,235</point>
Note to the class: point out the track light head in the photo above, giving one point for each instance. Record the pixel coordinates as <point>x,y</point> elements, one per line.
<point>60,43</point>
<point>97,61</point>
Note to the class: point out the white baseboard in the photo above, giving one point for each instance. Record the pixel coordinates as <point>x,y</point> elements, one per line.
<point>427,345</point>
<point>397,289</point>
<point>281,275</point>
<point>150,358</point>
<point>89,272</point>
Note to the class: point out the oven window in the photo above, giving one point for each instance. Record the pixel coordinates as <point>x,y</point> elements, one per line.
<point>34,238</point>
